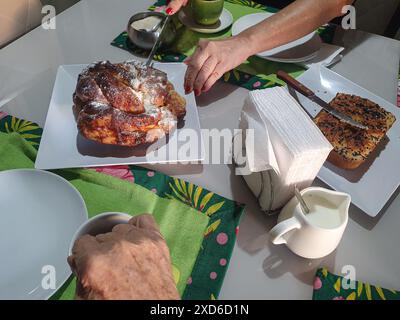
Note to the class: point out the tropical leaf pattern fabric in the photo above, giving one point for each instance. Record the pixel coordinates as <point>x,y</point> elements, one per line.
<point>328,286</point>
<point>194,196</point>
<point>212,262</point>
<point>30,131</point>
<point>248,3</point>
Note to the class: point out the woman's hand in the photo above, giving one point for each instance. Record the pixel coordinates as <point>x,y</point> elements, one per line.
<point>174,6</point>
<point>212,59</point>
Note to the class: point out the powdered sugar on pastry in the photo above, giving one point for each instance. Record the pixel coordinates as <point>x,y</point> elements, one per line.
<point>126,103</point>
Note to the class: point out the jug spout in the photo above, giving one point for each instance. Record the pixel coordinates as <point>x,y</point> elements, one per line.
<point>341,199</point>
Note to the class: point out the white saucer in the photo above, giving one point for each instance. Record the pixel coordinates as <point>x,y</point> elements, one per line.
<point>300,53</point>
<point>224,22</point>
<point>250,20</point>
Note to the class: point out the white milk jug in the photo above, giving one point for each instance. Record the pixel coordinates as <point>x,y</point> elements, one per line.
<point>318,233</point>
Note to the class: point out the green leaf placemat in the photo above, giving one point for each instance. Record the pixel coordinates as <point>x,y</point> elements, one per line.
<point>328,286</point>
<point>256,73</point>
<point>213,258</point>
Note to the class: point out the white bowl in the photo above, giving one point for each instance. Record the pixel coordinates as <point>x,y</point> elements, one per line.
<point>100,224</point>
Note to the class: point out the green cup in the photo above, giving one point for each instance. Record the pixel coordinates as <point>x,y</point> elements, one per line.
<point>206,12</point>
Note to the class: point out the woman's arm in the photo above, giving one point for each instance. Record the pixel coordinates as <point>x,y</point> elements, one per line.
<point>213,58</point>
<point>293,22</point>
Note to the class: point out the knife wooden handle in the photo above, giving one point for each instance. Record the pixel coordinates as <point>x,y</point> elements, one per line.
<point>292,82</point>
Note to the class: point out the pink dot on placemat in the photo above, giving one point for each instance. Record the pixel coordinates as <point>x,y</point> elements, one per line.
<point>222,238</point>
<point>256,84</point>
<point>150,174</point>
<point>189,280</point>
<point>317,283</point>
<point>213,275</point>
<point>222,262</point>
<point>154,190</point>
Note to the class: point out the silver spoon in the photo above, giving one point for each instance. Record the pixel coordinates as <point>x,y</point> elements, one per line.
<point>303,204</point>
<point>157,43</point>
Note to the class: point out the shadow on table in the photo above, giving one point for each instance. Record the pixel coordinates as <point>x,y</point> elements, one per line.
<point>215,94</point>
<point>355,175</point>
<point>366,221</point>
<point>95,149</point>
<point>350,39</point>
<point>281,261</point>
<point>176,169</point>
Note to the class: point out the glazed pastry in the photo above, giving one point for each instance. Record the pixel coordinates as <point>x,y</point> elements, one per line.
<point>126,104</point>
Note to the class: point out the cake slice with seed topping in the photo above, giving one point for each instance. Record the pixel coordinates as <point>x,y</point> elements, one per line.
<point>352,145</point>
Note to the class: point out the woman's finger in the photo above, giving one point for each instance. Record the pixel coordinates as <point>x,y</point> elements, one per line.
<point>194,66</point>
<point>174,6</point>
<point>205,72</point>
<point>215,75</point>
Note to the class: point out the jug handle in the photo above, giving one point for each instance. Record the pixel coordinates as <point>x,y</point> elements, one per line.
<point>282,228</point>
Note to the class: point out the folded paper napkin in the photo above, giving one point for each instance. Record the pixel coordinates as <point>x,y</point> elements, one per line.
<point>288,148</point>
<point>327,55</point>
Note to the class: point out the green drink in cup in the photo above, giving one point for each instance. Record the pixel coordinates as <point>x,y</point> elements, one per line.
<point>206,12</point>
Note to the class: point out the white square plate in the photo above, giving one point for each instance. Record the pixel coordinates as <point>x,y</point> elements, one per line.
<point>374,182</point>
<point>63,147</point>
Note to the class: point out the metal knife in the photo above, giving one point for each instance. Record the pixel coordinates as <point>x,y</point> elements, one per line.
<point>157,43</point>
<point>308,93</point>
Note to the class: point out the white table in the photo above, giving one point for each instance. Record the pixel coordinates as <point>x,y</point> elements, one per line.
<point>258,270</point>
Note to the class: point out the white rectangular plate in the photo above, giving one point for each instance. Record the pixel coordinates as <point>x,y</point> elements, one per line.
<point>63,147</point>
<point>374,182</point>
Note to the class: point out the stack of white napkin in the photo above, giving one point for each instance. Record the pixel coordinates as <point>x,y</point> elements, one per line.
<point>288,148</point>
